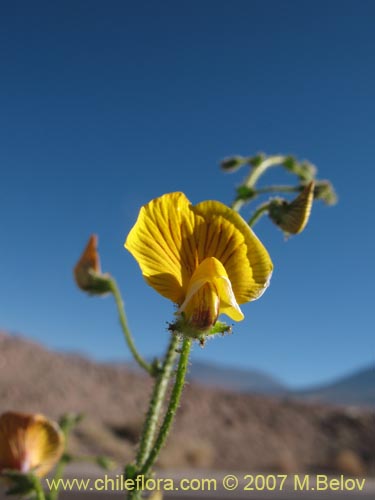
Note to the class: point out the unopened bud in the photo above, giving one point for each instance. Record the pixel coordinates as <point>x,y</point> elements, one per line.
<point>305,170</point>
<point>256,160</point>
<point>324,191</point>
<point>87,271</point>
<point>292,217</point>
<point>233,163</point>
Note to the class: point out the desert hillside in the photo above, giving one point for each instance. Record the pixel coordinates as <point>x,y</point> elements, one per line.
<point>218,428</point>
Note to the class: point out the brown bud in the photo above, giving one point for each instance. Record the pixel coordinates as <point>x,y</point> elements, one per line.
<point>87,272</point>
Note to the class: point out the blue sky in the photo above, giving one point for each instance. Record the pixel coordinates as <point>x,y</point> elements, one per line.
<point>105,105</point>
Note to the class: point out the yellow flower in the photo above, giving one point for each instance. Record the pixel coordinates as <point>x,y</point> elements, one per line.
<point>204,258</point>
<point>29,443</point>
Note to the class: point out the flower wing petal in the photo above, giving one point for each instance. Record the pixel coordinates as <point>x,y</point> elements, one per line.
<point>227,237</point>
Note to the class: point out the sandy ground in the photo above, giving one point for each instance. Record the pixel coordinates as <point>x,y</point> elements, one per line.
<point>215,429</point>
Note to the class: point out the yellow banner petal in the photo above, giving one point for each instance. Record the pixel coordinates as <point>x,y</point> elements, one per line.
<point>160,242</point>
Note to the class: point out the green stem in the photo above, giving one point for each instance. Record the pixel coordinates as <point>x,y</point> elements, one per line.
<point>279,189</point>
<point>172,407</point>
<point>256,172</point>
<point>254,175</point>
<point>125,328</point>
<point>38,489</point>
<point>259,212</point>
<point>157,398</point>
<point>54,493</point>
<point>135,495</point>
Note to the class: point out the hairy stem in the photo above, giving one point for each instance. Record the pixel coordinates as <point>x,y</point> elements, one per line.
<point>125,328</point>
<point>259,212</point>
<point>39,492</point>
<point>172,407</point>
<point>157,398</point>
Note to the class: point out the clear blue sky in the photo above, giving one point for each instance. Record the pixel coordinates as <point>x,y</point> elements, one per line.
<point>105,105</point>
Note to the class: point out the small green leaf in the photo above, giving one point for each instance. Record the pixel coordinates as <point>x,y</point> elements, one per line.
<point>21,484</point>
<point>290,163</point>
<point>69,420</point>
<point>130,471</point>
<point>245,193</point>
<point>105,463</point>
<point>256,160</point>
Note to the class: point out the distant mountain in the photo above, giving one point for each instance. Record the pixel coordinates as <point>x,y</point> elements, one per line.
<point>355,389</point>
<point>240,380</point>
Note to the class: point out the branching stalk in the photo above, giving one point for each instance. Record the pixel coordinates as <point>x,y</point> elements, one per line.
<point>39,492</point>
<point>279,189</point>
<point>259,212</point>
<point>255,174</point>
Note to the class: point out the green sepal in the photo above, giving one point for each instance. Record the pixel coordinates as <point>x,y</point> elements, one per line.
<point>233,163</point>
<point>324,191</point>
<point>276,210</point>
<point>290,163</point>
<point>183,328</point>
<point>256,160</point>
<point>130,471</point>
<point>245,193</point>
<point>220,328</point>
<point>98,284</point>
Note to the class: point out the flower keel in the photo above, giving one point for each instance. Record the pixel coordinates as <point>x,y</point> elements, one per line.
<point>209,294</point>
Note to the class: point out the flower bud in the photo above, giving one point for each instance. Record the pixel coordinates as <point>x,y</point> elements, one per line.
<point>324,191</point>
<point>305,170</point>
<point>292,217</point>
<point>256,160</point>
<point>233,163</point>
<point>87,272</point>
